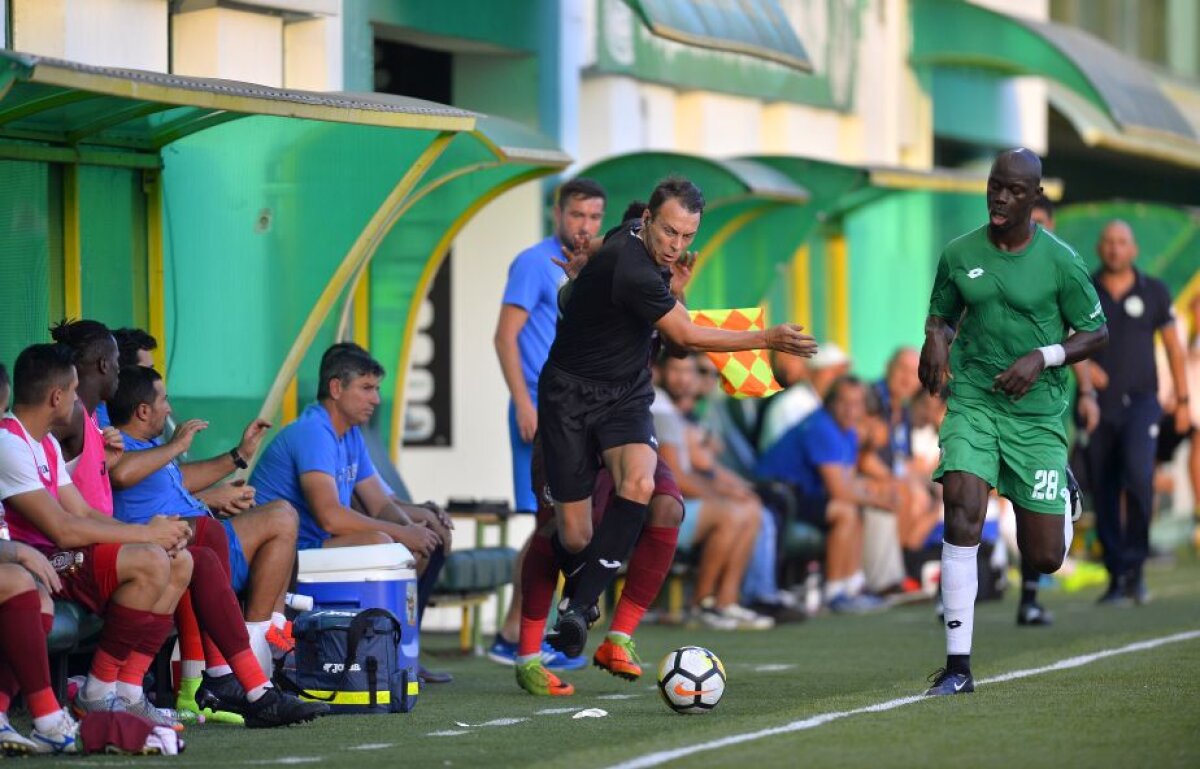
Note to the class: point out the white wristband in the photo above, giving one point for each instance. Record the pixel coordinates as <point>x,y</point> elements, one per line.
<point>1053,355</point>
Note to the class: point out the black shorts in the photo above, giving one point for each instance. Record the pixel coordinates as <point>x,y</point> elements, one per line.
<point>578,419</point>
<point>813,510</point>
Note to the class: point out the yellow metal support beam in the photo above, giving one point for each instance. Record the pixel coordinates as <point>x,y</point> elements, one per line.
<point>72,245</point>
<point>156,304</point>
<point>290,409</point>
<point>432,264</point>
<point>802,287</point>
<point>360,253</point>
<point>348,306</point>
<point>838,272</point>
<point>727,231</point>
<point>362,309</point>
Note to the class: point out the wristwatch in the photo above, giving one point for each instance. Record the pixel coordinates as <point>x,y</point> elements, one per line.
<point>238,462</point>
<point>1087,393</point>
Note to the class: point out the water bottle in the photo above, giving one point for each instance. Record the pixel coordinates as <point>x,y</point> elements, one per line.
<point>812,590</point>
<point>298,602</point>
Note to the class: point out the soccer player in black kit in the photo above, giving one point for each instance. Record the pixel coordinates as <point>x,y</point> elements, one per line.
<point>595,392</point>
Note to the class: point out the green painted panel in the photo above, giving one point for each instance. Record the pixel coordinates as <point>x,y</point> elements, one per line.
<point>1168,238</point>
<point>113,235</point>
<point>26,224</point>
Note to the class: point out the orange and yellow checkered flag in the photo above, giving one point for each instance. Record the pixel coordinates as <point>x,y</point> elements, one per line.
<point>745,374</point>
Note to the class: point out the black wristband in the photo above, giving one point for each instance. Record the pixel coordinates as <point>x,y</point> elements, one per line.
<point>236,456</point>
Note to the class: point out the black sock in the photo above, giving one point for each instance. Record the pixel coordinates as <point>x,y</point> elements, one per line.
<point>610,547</point>
<point>569,563</point>
<point>1031,579</point>
<point>958,663</point>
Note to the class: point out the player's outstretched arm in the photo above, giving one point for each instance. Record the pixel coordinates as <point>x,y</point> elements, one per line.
<point>1016,380</point>
<point>680,331</point>
<point>935,354</point>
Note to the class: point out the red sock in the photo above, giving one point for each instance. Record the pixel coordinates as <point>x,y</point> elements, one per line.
<point>191,648</point>
<point>213,658</point>
<point>23,641</point>
<point>8,685</point>
<point>123,628</point>
<point>648,568</point>
<point>210,533</point>
<point>150,640</point>
<point>218,612</point>
<point>539,577</point>
<point>47,623</point>
<point>246,669</point>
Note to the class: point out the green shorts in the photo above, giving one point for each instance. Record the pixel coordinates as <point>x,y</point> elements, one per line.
<point>1025,460</point>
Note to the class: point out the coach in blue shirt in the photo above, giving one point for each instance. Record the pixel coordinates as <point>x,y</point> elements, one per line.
<point>319,463</point>
<point>819,459</point>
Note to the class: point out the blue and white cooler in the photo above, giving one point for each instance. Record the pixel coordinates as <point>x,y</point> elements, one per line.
<point>352,579</point>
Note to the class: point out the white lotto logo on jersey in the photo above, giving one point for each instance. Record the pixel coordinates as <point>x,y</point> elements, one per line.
<point>975,273</point>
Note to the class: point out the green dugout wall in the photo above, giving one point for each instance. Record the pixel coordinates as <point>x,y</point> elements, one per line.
<point>230,219</point>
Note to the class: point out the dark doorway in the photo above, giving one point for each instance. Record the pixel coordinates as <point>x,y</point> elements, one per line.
<point>410,70</point>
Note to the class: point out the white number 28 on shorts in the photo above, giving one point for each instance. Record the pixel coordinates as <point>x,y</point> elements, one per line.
<point>1045,484</point>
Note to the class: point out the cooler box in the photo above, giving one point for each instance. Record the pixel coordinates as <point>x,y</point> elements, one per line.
<point>369,577</point>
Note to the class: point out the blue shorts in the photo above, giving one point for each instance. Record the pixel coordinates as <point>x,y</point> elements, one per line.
<point>237,559</point>
<point>691,517</point>
<point>524,500</point>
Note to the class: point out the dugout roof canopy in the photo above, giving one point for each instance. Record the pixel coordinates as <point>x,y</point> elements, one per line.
<point>298,194</point>
<point>757,28</point>
<point>1113,100</point>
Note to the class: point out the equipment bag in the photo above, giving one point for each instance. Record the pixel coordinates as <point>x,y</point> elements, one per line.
<point>351,661</point>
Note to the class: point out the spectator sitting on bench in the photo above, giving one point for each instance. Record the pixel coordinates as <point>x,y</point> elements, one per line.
<point>132,576</point>
<point>819,459</point>
<point>259,544</point>
<point>722,518</point>
<point>320,461</point>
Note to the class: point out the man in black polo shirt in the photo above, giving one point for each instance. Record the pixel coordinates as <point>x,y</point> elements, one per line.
<point>1120,452</point>
<point>594,394</point>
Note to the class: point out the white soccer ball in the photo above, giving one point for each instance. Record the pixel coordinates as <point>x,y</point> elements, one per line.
<point>691,680</point>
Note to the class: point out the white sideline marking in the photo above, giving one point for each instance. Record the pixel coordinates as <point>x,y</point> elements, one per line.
<point>493,722</point>
<point>555,711</point>
<point>287,760</point>
<point>373,746</point>
<point>449,733</point>
<point>771,668</point>
<point>663,756</point>
<point>618,696</point>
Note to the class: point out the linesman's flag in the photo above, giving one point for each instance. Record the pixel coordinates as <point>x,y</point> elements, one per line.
<point>745,374</point>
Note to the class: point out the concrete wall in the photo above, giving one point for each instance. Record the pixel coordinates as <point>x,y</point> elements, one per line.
<point>115,33</point>
<point>230,44</point>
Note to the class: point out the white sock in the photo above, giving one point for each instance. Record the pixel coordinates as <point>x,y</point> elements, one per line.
<point>278,620</point>
<point>257,692</point>
<point>191,668</point>
<point>836,587</point>
<point>216,671</point>
<point>960,583</point>
<point>1068,530</point>
<point>614,636</point>
<point>129,692</point>
<point>94,689</point>
<point>260,646</point>
<point>521,659</point>
<point>46,723</point>
<point>856,582</point>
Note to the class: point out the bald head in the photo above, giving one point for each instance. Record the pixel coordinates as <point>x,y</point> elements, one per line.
<point>1117,248</point>
<point>1014,187</point>
<point>1018,163</point>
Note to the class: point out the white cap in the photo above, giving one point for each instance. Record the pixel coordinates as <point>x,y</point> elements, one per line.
<point>829,354</point>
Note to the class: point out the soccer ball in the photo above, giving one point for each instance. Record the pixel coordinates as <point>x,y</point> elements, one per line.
<point>691,680</point>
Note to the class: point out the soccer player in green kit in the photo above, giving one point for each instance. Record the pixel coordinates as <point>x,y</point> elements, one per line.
<point>1008,295</point>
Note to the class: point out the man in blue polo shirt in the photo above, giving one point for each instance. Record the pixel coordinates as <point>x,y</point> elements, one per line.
<point>819,459</point>
<point>524,333</point>
<point>320,465</point>
<point>149,480</point>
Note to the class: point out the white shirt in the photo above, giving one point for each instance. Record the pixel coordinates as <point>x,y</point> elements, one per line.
<point>23,464</point>
<point>786,410</point>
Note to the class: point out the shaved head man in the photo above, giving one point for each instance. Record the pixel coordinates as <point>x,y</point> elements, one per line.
<point>1020,305</point>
